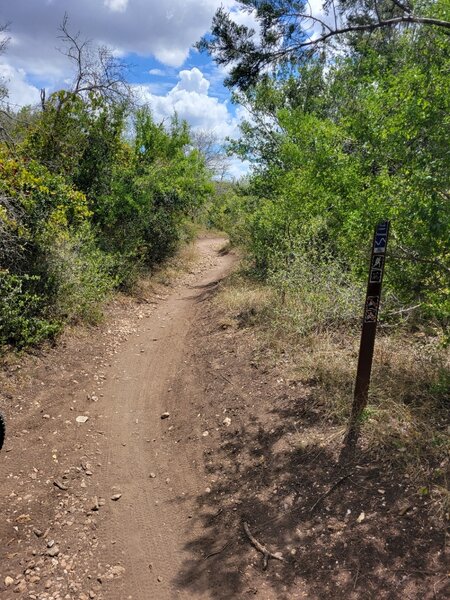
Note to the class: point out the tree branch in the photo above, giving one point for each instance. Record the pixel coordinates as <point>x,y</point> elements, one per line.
<point>409,19</point>
<point>283,33</point>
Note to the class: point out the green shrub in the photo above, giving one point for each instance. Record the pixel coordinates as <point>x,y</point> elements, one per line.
<point>21,309</point>
<point>316,292</point>
<point>80,276</point>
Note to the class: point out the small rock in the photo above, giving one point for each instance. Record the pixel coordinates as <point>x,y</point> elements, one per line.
<point>117,571</point>
<point>8,581</point>
<point>37,532</point>
<point>404,508</point>
<point>46,416</point>
<point>60,485</point>
<point>21,588</point>
<point>165,415</point>
<point>81,419</point>
<point>116,497</point>
<point>227,421</point>
<point>23,519</point>
<point>205,433</point>
<point>152,475</point>
<point>95,504</point>
<point>361,517</point>
<point>53,551</point>
<point>50,543</point>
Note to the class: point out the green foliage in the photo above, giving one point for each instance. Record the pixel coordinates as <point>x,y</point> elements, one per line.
<point>373,144</point>
<point>316,292</point>
<point>36,207</point>
<point>21,322</point>
<point>156,185</point>
<point>83,210</point>
<point>56,138</point>
<point>79,277</point>
<point>284,37</point>
<point>226,212</point>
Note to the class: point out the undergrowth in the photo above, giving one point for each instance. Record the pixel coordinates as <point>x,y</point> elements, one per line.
<point>318,328</point>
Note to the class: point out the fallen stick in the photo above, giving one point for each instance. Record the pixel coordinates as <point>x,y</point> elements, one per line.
<point>328,492</point>
<point>225,379</point>
<point>266,553</point>
<point>218,551</point>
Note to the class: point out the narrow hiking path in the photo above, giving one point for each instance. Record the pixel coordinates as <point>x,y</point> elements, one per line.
<point>100,508</point>
<point>157,479</point>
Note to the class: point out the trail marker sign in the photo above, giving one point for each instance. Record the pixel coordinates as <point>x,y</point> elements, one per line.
<point>369,328</point>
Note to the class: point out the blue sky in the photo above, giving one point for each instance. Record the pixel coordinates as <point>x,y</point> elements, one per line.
<point>155,37</point>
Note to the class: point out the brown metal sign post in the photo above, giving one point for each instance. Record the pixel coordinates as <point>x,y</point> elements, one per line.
<point>369,328</point>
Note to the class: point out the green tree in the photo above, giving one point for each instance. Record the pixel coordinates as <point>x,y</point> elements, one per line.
<point>288,32</point>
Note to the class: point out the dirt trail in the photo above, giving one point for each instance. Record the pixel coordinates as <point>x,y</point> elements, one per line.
<point>156,480</point>
<point>125,505</point>
<point>66,477</point>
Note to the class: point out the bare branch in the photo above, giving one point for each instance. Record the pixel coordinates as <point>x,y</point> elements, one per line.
<point>315,20</point>
<point>96,69</point>
<point>411,19</point>
<point>42,96</point>
<point>4,39</point>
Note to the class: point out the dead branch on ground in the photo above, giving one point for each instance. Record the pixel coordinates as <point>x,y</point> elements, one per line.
<point>265,552</point>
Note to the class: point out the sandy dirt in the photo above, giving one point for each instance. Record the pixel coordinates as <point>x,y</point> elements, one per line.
<point>130,505</point>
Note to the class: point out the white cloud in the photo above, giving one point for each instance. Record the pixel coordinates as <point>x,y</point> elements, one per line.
<point>156,72</point>
<point>190,100</point>
<point>116,5</point>
<point>20,92</point>
<point>237,168</point>
<point>245,17</point>
<point>165,29</point>
<point>192,81</point>
<point>172,57</point>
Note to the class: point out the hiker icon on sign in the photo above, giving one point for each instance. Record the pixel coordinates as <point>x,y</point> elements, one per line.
<point>377,262</point>
<point>376,270</point>
<point>371,312</point>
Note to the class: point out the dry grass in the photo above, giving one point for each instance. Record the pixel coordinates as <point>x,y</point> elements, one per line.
<point>407,418</point>
<point>166,274</point>
<point>246,302</point>
<point>183,261</point>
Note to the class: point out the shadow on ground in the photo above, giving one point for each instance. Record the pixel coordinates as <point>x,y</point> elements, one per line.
<point>355,531</point>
